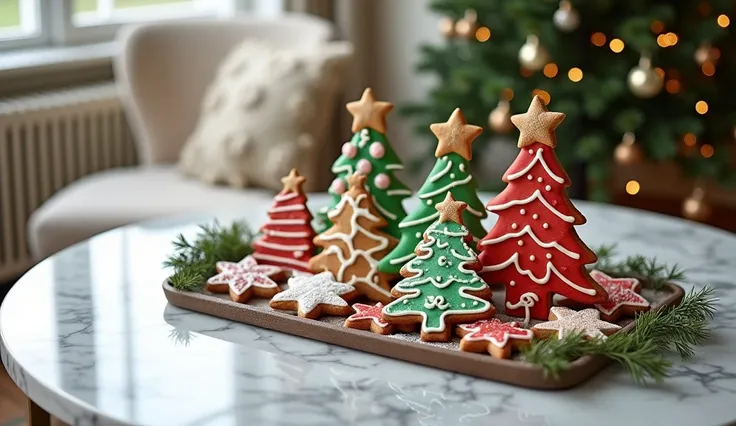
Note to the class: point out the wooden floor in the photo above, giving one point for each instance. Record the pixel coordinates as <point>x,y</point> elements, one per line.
<point>12,402</point>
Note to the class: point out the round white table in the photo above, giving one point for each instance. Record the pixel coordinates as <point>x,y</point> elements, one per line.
<point>89,337</point>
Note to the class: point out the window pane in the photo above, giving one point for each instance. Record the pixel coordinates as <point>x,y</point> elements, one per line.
<point>123,4</point>
<point>18,19</point>
<point>9,15</point>
<point>85,5</point>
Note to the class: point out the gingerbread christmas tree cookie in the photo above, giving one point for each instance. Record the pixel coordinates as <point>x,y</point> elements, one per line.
<point>370,153</point>
<point>533,248</point>
<point>451,172</point>
<point>287,235</point>
<point>245,280</point>
<point>355,243</point>
<point>315,296</point>
<point>563,321</point>
<point>441,285</point>
<point>493,336</point>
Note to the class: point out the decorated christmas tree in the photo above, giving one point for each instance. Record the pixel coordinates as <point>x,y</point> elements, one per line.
<point>450,172</point>
<point>370,153</point>
<point>441,285</point>
<point>287,235</point>
<point>533,248</point>
<point>354,244</point>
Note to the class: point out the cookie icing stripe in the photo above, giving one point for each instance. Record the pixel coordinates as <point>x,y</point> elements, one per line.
<point>387,214</point>
<point>538,195</point>
<point>403,260</point>
<point>290,208</point>
<point>345,168</point>
<point>394,167</point>
<point>309,292</point>
<point>447,187</point>
<point>287,222</point>
<point>528,230</point>
<point>441,173</point>
<point>283,247</point>
<point>285,197</point>
<point>537,159</point>
<point>526,300</point>
<point>383,243</point>
<point>514,259</point>
<point>365,137</point>
<point>481,331</point>
<point>278,259</point>
<point>399,192</point>
<point>429,218</point>
<point>285,234</point>
<point>474,212</point>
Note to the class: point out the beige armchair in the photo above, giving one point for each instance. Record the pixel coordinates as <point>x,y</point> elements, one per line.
<point>162,73</point>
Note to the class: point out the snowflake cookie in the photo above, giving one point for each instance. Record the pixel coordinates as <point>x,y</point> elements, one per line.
<point>244,280</point>
<point>315,296</point>
<point>564,321</point>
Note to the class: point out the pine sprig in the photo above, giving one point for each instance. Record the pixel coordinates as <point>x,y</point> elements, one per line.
<point>193,261</point>
<point>653,273</point>
<point>640,351</point>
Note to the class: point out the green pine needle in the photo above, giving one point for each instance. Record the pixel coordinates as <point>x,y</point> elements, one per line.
<point>194,261</point>
<point>652,273</point>
<point>640,351</point>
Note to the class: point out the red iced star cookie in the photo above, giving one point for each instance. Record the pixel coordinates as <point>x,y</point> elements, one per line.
<point>496,337</point>
<point>623,297</point>
<point>368,317</point>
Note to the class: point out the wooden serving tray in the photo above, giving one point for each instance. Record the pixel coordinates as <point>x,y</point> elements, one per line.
<point>408,347</point>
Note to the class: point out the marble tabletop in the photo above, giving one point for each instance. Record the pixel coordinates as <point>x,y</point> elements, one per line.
<point>89,336</point>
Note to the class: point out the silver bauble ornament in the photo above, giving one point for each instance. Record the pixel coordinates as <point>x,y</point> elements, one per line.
<point>499,120</point>
<point>566,18</point>
<point>644,81</point>
<point>696,207</point>
<point>532,55</point>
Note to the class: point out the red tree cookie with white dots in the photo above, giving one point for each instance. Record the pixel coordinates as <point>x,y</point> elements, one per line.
<point>287,235</point>
<point>533,249</point>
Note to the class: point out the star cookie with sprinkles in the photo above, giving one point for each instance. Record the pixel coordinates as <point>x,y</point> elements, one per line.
<point>564,321</point>
<point>368,317</point>
<point>315,296</point>
<point>493,336</point>
<point>623,297</point>
<point>245,280</point>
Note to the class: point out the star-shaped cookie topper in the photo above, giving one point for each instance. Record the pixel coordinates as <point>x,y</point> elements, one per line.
<point>293,182</point>
<point>451,210</point>
<point>537,124</point>
<point>356,181</point>
<point>368,112</point>
<point>455,135</point>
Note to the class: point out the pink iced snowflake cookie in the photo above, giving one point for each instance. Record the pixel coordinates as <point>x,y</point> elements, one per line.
<point>623,297</point>
<point>564,321</point>
<point>493,336</point>
<point>250,264</point>
<point>242,283</point>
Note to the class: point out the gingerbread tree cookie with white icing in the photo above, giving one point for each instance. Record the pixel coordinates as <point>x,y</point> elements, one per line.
<point>355,243</point>
<point>441,285</point>
<point>533,248</point>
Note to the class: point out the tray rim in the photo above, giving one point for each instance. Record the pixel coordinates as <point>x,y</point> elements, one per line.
<point>473,364</point>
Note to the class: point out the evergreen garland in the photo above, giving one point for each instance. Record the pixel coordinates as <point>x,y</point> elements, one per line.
<point>653,274</point>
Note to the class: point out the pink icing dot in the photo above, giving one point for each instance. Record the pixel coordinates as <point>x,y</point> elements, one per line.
<point>377,150</point>
<point>364,166</point>
<point>338,186</point>
<point>382,181</point>
<point>349,150</point>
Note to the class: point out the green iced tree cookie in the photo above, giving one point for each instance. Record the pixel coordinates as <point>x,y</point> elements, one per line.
<point>441,285</point>
<point>369,153</point>
<point>450,172</point>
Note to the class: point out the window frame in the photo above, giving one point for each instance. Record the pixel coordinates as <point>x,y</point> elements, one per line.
<point>40,37</point>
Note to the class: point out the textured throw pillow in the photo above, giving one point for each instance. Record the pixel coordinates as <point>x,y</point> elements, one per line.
<point>266,111</point>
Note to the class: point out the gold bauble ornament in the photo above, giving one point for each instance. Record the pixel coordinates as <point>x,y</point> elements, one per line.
<point>499,120</point>
<point>644,81</point>
<point>705,53</point>
<point>468,25</point>
<point>628,152</point>
<point>532,55</point>
<point>566,18</point>
<point>447,27</point>
<point>696,207</point>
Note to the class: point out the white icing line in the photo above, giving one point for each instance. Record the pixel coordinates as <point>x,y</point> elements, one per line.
<point>292,208</point>
<point>285,234</point>
<point>287,222</point>
<point>527,300</point>
<point>282,247</point>
<point>387,214</point>
<point>392,192</point>
<point>394,167</point>
<point>544,280</point>
<point>528,230</point>
<point>365,137</point>
<point>286,197</point>
<point>429,218</point>
<point>474,212</point>
<point>538,195</point>
<point>403,259</point>
<point>447,187</point>
<point>441,173</point>
<point>537,158</point>
<point>278,259</point>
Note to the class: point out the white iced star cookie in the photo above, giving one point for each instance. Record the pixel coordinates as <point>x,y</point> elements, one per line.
<point>315,296</point>
<point>564,321</point>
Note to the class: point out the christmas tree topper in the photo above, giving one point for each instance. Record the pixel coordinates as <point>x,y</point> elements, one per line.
<point>357,180</point>
<point>537,124</point>
<point>456,135</point>
<point>367,112</point>
<point>293,182</point>
<point>451,210</point>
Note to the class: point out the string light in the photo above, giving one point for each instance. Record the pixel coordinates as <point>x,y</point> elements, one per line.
<point>482,34</point>
<point>723,21</point>
<point>701,107</point>
<point>708,69</point>
<point>525,72</point>
<point>507,94</point>
<point>616,45</point>
<point>543,94</point>
<point>672,86</point>
<point>667,40</point>
<point>689,139</point>
<point>575,74</point>
<point>657,27</point>
<point>632,187</point>
<point>550,70</point>
<point>707,150</point>
<point>598,39</point>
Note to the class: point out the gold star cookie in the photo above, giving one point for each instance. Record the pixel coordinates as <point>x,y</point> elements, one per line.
<point>455,135</point>
<point>367,112</point>
<point>451,210</point>
<point>293,182</point>
<point>537,124</point>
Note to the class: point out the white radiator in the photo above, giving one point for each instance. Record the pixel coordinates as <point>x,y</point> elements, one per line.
<point>47,141</point>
